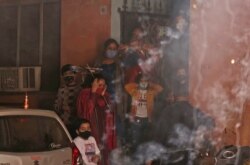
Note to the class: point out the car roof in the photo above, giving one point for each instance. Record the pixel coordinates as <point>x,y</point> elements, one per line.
<point>4,111</point>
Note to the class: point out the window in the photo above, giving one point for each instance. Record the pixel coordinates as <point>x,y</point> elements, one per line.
<point>31,134</point>
<point>30,36</point>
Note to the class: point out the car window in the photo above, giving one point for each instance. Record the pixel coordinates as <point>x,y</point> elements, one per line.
<point>31,134</point>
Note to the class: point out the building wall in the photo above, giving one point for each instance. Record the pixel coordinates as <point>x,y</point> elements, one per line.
<point>85,25</point>
<point>219,60</point>
<point>219,56</point>
<point>115,19</point>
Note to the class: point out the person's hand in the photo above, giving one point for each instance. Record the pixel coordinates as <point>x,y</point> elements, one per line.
<point>95,85</point>
<point>95,158</point>
<point>104,90</point>
<point>147,47</point>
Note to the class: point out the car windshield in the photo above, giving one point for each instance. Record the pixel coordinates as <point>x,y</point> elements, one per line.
<point>31,134</point>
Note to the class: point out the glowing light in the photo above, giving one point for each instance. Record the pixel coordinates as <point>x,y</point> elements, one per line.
<point>232,61</point>
<point>26,102</point>
<point>194,6</point>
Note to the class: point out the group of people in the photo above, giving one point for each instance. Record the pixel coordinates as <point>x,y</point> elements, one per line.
<point>115,106</point>
<point>117,96</point>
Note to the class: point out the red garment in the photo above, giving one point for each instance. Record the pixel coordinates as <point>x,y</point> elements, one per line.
<point>110,130</point>
<point>93,106</point>
<point>131,74</point>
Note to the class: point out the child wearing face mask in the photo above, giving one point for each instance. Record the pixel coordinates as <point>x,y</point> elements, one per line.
<point>86,143</point>
<point>65,103</point>
<point>143,93</point>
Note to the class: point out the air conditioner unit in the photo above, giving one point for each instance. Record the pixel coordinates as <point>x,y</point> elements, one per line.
<point>20,79</point>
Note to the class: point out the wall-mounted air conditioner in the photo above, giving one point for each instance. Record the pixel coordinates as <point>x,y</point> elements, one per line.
<point>23,79</point>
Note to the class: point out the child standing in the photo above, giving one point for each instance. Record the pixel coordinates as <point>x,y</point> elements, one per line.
<point>86,143</point>
<point>143,93</point>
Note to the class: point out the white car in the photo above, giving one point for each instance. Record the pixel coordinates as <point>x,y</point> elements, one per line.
<point>35,137</point>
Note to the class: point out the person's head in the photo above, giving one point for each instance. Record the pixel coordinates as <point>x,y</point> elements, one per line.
<point>68,74</point>
<point>137,33</point>
<point>83,129</point>
<point>180,83</point>
<point>101,83</point>
<point>142,80</point>
<point>110,48</point>
<point>181,76</point>
<point>180,23</point>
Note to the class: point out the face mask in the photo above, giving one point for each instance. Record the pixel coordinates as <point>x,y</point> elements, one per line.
<point>143,85</point>
<point>68,79</point>
<point>111,53</point>
<point>85,134</point>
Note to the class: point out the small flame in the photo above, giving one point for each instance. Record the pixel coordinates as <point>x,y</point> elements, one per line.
<point>26,101</point>
<point>232,61</point>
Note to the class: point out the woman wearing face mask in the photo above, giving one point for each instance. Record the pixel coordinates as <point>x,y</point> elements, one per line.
<point>113,73</point>
<point>110,64</point>
<point>143,93</point>
<point>65,103</point>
